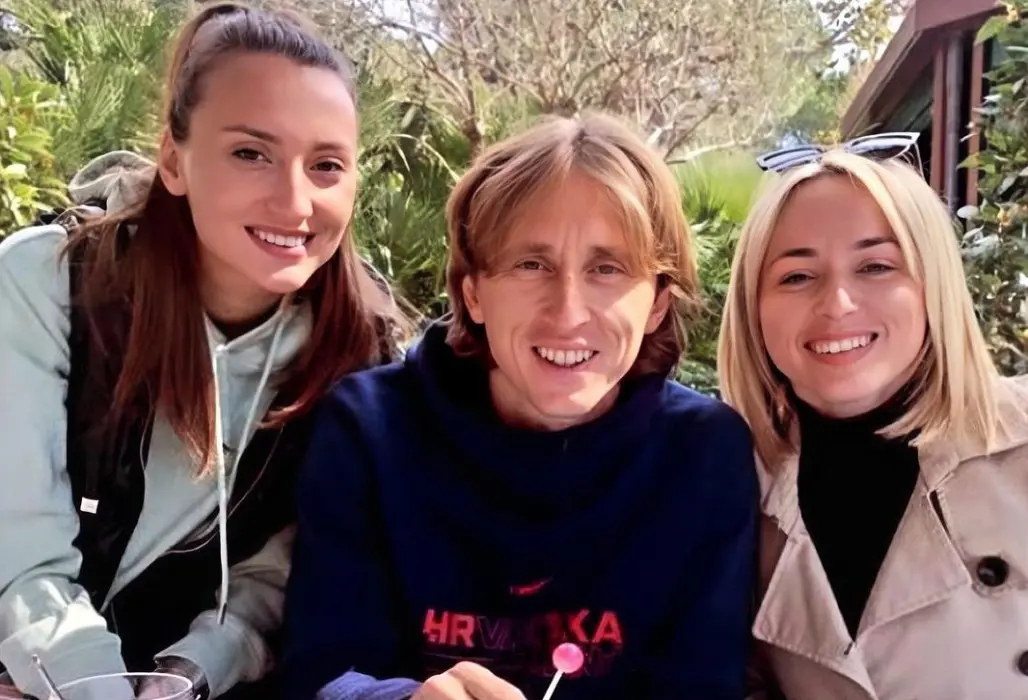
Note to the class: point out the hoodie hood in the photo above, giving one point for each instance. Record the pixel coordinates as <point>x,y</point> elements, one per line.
<point>115,180</point>
<point>536,497</point>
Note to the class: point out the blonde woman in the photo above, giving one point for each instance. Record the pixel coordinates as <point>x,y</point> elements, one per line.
<point>530,476</point>
<point>893,459</point>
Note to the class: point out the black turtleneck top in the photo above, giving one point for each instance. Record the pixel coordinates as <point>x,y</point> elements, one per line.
<point>854,487</point>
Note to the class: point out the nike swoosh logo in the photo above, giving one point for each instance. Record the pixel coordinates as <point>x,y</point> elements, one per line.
<point>530,589</point>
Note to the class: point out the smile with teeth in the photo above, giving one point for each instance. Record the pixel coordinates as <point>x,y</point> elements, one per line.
<point>278,239</point>
<point>564,358</point>
<point>835,347</point>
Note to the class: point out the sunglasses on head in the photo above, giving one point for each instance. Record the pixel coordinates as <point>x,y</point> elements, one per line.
<point>895,144</point>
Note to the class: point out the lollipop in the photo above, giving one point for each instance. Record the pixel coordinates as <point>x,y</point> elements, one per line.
<point>567,658</point>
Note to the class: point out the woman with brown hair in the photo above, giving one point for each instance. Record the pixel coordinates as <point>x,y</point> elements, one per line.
<point>158,363</point>
<point>530,476</point>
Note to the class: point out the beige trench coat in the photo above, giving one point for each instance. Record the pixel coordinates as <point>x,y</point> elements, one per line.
<point>947,618</point>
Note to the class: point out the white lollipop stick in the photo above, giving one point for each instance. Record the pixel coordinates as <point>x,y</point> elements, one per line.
<point>553,685</point>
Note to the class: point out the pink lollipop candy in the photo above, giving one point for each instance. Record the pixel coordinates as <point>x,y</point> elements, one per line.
<point>567,658</point>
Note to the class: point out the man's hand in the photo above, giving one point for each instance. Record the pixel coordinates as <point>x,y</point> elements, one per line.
<point>467,681</point>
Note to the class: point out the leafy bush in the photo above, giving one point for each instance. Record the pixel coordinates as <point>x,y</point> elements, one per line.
<point>28,183</point>
<point>996,248</point>
<point>718,190</point>
<point>107,59</point>
<point>408,160</point>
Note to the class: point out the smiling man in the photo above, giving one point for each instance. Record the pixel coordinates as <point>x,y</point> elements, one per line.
<point>529,475</point>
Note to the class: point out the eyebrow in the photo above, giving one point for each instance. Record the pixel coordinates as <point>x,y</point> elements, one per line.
<point>547,249</point>
<point>271,138</point>
<point>862,244</point>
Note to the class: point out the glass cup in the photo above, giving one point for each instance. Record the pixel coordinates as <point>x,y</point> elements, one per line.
<point>128,686</point>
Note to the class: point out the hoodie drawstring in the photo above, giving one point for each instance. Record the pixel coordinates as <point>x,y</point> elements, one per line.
<point>225,483</point>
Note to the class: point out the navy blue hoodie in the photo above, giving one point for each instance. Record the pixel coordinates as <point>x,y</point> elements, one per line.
<point>431,533</point>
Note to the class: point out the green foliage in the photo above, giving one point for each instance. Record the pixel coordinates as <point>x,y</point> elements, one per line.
<point>720,185</point>
<point>996,248</point>
<point>991,29</point>
<point>818,118</point>
<point>28,183</point>
<point>412,152</point>
<point>854,33</point>
<point>407,165</point>
<point>718,190</point>
<point>107,57</point>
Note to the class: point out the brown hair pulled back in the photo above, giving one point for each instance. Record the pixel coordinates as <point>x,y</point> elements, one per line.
<point>140,290</point>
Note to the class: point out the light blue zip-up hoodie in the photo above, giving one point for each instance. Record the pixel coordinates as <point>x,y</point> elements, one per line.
<point>42,610</point>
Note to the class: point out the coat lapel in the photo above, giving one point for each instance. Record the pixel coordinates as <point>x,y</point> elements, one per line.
<point>921,568</point>
<point>798,612</point>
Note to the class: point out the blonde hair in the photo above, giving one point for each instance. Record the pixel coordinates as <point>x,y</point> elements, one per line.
<point>955,379</point>
<point>505,183</point>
